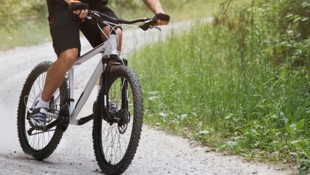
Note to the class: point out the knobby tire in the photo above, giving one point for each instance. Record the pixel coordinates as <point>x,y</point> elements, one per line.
<point>108,140</point>
<point>32,87</point>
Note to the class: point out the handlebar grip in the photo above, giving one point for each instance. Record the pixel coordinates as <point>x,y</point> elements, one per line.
<point>162,17</point>
<point>152,22</point>
<point>78,6</point>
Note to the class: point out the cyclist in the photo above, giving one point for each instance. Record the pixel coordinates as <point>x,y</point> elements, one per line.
<point>64,29</point>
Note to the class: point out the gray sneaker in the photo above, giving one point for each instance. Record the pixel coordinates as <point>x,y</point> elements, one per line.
<point>38,118</point>
<point>112,108</point>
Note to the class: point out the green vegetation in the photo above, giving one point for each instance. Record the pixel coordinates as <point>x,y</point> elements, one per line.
<point>189,10</point>
<point>240,84</point>
<point>25,22</point>
<point>179,10</point>
<point>27,34</point>
<point>22,23</point>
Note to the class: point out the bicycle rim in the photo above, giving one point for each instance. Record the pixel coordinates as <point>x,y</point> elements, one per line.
<point>115,143</point>
<point>40,144</point>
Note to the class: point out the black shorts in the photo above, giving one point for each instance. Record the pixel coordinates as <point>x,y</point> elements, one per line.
<point>65,26</point>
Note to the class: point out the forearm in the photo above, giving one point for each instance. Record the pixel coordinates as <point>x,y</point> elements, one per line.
<point>154,6</point>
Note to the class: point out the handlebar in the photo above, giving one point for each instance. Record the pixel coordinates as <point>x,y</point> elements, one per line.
<point>100,17</point>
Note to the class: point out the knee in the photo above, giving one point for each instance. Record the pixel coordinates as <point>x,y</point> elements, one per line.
<point>68,57</point>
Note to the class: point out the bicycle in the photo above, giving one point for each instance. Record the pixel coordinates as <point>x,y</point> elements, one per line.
<point>117,112</point>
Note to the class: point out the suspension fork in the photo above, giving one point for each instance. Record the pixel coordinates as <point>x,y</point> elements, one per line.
<point>104,86</point>
<point>125,90</point>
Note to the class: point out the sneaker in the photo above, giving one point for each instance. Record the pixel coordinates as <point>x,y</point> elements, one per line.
<point>38,118</point>
<point>112,108</point>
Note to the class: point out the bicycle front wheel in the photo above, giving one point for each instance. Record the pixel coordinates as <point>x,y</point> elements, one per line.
<point>116,138</point>
<point>39,143</point>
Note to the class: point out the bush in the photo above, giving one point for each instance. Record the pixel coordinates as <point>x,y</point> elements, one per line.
<point>288,21</point>
<point>221,85</point>
<point>15,12</point>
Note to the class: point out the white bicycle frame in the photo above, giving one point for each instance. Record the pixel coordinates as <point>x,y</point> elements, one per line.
<point>107,48</point>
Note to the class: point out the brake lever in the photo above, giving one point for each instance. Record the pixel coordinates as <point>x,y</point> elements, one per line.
<point>155,27</point>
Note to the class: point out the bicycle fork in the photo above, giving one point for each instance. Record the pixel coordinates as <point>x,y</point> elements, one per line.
<point>110,111</point>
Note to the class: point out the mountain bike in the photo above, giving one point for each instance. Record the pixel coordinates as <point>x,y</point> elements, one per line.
<point>117,112</point>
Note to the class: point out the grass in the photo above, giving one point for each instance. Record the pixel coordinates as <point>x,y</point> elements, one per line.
<point>221,84</point>
<point>37,30</point>
<point>217,84</point>
<point>23,35</point>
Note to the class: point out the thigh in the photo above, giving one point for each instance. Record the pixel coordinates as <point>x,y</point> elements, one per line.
<point>91,31</point>
<point>64,28</point>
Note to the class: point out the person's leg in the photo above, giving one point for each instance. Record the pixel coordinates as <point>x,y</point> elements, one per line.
<point>119,33</point>
<point>53,80</point>
<point>64,28</point>
<point>57,72</point>
<point>94,34</point>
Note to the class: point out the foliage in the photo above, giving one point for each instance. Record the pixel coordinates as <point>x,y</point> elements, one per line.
<point>178,10</point>
<point>13,12</point>
<point>20,20</point>
<point>21,23</point>
<point>245,79</point>
<point>224,85</point>
<point>26,34</point>
<point>291,21</point>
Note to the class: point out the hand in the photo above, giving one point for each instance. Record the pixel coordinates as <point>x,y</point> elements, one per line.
<point>78,8</point>
<point>162,19</point>
<point>82,13</point>
<point>161,22</point>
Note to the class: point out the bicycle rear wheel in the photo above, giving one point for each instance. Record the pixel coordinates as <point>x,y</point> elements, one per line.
<point>38,143</point>
<point>116,140</point>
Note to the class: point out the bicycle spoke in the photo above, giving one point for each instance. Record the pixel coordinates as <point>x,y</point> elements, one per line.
<point>115,143</point>
<point>39,143</point>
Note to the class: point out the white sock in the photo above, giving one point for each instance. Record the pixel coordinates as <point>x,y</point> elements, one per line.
<point>42,104</point>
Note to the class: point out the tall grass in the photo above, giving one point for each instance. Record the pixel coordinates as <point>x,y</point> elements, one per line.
<point>23,23</point>
<point>23,35</point>
<point>219,85</point>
